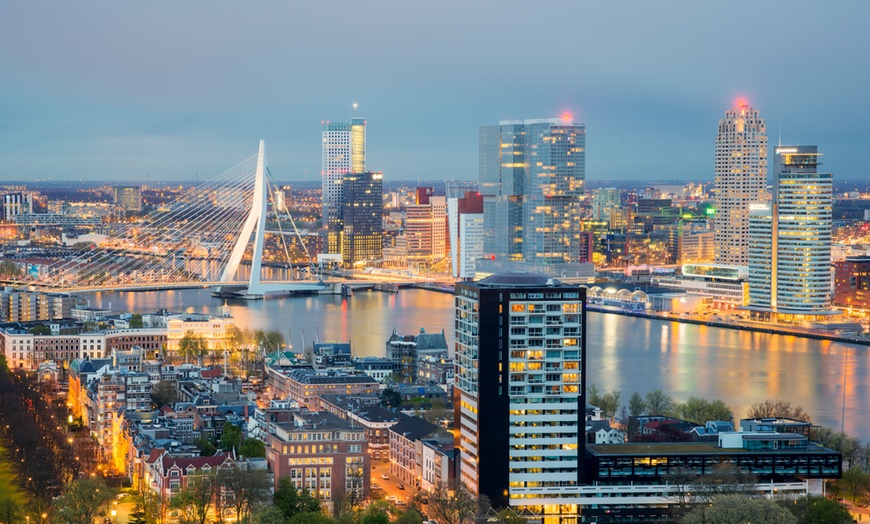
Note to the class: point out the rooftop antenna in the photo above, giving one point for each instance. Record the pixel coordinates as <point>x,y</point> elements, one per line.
<point>779,143</point>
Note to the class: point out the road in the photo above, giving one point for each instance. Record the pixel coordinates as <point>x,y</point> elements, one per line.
<point>389,487</point>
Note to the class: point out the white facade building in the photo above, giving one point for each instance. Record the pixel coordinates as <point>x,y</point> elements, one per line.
<point>465,225</point>
<point>741,177</point>
<point>790,240</point>
<point>344,152</point>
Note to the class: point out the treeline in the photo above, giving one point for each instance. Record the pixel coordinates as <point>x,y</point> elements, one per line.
<point>36,444</point>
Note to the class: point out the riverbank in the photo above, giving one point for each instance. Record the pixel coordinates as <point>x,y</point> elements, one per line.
<point>740,326</point>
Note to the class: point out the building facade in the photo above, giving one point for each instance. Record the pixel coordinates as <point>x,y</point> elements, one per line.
<point>852,283</point>
<point>790,239</point>
<point>532,177</point>
<point>603,200</point>
<point>465,220</point>
<point>740,179</point>
<point>128,198</point>
<point>343,152</point>
<point>519,390</point>
<point>356,229</point>
<point>426,226</point>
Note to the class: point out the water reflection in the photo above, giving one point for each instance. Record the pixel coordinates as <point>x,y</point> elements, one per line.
<point>628,353</point>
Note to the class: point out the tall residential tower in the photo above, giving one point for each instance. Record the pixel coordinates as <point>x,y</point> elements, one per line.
<point>519,395</point>
<point>790,239</point>
<point>741,177</point>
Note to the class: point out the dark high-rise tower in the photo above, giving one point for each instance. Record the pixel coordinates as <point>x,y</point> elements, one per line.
<point>519,394</point>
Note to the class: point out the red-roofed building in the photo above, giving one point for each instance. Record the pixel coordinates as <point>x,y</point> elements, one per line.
<point>166,475</point>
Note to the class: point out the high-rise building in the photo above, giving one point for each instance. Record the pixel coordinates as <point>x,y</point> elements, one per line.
<point>532,176</point>
<point>129,198</point>
<point>603,200</point>
<point>519,396</point>
<point>426,226</point>
<point>741,177</point>
<point>465,218</point>
<point>790,239</point>
<point>356,231</point>
<point>344,152</point>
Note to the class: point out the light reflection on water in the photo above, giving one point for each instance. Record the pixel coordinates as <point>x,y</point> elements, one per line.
<point>628,353</point>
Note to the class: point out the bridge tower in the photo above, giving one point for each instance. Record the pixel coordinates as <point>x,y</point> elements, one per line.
<point>256,220</point>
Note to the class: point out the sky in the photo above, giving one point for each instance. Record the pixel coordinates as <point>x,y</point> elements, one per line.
<point>167,90</point>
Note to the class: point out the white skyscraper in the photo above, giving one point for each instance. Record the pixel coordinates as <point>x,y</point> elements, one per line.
<point>344,152</point>
<point>741,176</point>
<point>790,240</point>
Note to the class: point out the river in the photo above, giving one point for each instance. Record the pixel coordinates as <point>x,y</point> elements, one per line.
<point>626,353</point>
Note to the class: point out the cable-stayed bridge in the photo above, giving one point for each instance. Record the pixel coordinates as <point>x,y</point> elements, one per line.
<point>200,240</point>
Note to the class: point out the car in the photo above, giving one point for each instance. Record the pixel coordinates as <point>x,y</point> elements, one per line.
<point>385,477</point>
<point>401,486</point>
<point>400,502</point>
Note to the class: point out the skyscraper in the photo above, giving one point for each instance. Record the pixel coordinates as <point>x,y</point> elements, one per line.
<point>741,176</point>
<point>344,152</point>
<point>519,396</point>
<point>356,230</point>
<point>790,239</point>
<point>532,175</point>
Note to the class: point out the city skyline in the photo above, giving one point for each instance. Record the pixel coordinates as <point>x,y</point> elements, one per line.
<point>125,93</point>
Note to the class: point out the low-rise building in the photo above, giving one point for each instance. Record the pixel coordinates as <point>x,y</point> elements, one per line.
<point>318,451</point>
<point>406,448</point>
<point>304,385</point>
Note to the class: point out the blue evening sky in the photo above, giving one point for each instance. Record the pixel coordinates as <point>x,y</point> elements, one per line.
<point>123,90</point>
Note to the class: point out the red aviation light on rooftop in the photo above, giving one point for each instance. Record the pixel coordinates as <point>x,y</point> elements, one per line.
<point>741,103</point>
<point>566,116</point>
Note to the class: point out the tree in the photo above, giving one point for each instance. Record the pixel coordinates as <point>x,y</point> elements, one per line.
<point>390,398</point>
<point>10,508</point>
<point>658,403</point>
<point>40,330</point>
<point>266,515</point>
<point>292,502</point>
<point>270,341</point>
<point>164,393</point>
<point>777,408</point>
<point>231,437</point>
<point>593,395</point>
<point>725,479</point>
<point>740,509</point>
<point>206,448</point>
<point>149,508</point>
<point>610,404</point>
<point>462,507</point>
<point>250,488</point>
<point>192,345</point>
<point>10,270</point>
<point>310,518</point>
<point>252,448</point>
<point>410,516</point>
<point>83,501</point>
<point>854,484</point>
<point>196,500</point>
<point>136,321</point>
<point>699,410</point>
<point>636,407</point>
<point>817,510</point>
